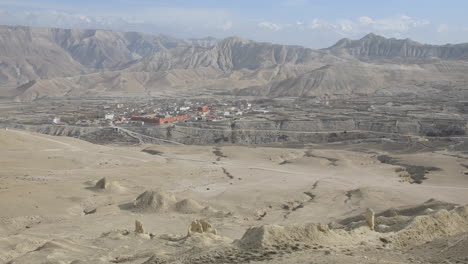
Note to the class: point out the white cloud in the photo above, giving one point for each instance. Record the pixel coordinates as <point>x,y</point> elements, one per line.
<point>220,23</point>
<point>269,25</point>
<point>392,26</point>
<point>346,26</point>
<point>317,24</point>
<point>442,28</point>
<point>319,33</point>
<point>226,26</point>
<point>400,23</point>
<point>365,20</point>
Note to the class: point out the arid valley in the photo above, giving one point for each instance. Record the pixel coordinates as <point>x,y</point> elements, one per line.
<point>120,145</point>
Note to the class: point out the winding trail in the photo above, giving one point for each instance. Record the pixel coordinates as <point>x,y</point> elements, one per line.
<point>141,136</point>
<point>71,147</point>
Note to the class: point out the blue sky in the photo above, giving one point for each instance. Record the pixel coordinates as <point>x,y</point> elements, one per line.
<point>311,23</point>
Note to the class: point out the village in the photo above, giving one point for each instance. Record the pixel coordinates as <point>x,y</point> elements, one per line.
<point>173,112</point>
<point>155,112</point>
<point>204,120</point>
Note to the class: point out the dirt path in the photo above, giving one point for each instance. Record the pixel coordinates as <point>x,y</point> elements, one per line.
<point>71,147</point>
<point>141,136</point>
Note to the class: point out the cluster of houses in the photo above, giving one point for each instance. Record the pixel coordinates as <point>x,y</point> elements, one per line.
<point>162,112</point>
<point>172,112</point>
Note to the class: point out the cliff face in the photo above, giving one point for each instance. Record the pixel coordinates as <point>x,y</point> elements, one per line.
<point>265,131</point>
<point>45,62</point>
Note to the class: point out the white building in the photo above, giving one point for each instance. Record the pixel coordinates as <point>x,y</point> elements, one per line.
<point>56,120</point>
<point>109,116</point>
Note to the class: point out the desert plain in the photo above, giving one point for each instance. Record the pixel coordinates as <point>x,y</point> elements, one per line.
<point>64,200</point>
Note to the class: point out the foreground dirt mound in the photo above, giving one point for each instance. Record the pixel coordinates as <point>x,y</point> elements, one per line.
<point>407,212</point>
<point>430,205</point>
<point>105,184</point>
<point>273,235</point>
<point>155,201</point>
<point>405,231</point>
<point>453,249</point>
<point>188,206</point>
<point>158,201</point>
<point>430,227</point>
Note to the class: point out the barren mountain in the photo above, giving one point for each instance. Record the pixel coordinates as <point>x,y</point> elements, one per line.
<point>374,47</point>
<point>45,62</point>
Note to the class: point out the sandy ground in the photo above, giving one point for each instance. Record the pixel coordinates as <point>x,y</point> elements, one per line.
<point>48,183</point>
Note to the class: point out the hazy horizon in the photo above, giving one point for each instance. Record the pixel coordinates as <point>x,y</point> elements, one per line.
<point>309,23</point>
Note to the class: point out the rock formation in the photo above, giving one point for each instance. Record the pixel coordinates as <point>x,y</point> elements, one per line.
<point>201,226</point>
<point>102,183</point>
<point>370,218</point>
<point>139,227</point>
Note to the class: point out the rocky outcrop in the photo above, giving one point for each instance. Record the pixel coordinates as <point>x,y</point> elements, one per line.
<point>370,218</point>
<point>139,227</point>
<point>201,226</point>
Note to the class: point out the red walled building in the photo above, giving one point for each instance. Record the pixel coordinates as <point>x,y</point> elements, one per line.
<point>203,109</point>
<point>158,120</point>
<point>206,108</point>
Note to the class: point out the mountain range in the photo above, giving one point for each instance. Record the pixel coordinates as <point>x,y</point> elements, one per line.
<point>49,62</point>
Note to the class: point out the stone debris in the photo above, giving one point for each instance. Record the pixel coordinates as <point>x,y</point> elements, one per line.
<point>89,211</point>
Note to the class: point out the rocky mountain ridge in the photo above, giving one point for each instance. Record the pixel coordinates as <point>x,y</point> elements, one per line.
<point>374,47</point>
<point>50,62</point>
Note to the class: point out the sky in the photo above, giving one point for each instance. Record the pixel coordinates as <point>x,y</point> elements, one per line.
<point>310,23</point>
